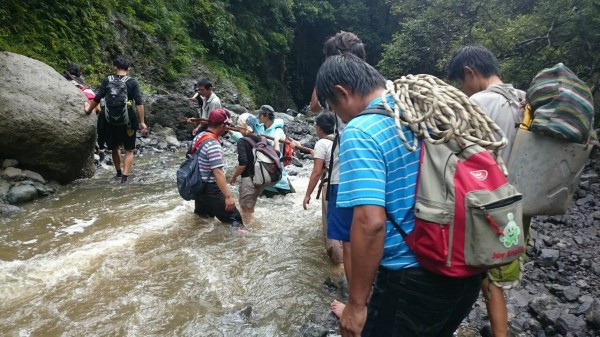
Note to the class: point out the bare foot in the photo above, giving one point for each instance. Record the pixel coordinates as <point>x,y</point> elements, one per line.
<point>337,308</point>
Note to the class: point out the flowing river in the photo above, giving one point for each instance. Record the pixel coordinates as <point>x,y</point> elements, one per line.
<point>103,259</point>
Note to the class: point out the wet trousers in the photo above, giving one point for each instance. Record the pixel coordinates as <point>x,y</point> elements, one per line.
<point>211,203</point>
<point>416,303</point>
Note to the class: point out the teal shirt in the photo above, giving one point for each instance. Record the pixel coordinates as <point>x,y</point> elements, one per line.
<point>276,130</point>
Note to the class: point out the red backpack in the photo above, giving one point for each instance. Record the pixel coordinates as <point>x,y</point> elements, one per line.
<point>468,217</point>
<point>287,156</point>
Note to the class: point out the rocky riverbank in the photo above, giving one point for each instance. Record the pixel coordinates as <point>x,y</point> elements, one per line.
<point>560,291</point>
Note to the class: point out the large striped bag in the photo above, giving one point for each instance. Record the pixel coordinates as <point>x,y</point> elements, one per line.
<point>562,105</point>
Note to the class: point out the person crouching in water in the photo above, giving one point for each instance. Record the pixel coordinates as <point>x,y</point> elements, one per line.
<point>334,219</point>
<point>274,128</point>
<point>216,200</point>
<point>247,125</point>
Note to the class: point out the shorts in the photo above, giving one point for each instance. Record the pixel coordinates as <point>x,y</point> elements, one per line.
<point>511,272</point>
<point>248,193</point>
<point>117,135</point>
<point>339,220</point>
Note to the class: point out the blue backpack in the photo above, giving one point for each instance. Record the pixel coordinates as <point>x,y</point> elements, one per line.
<point>189,179</point>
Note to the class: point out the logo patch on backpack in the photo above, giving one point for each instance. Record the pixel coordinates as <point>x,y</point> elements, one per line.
<point>480,175</point>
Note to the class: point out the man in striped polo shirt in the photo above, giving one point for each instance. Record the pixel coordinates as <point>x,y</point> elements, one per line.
<point>378,178</point>
<point>216,200</point>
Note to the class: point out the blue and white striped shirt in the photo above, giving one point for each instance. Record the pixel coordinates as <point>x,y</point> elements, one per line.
<point>376,169</point>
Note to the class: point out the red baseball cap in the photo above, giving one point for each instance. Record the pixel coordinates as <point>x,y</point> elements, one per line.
<point>219,116</point>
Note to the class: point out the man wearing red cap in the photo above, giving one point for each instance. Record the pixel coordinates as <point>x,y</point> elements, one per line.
<point>216,199</point>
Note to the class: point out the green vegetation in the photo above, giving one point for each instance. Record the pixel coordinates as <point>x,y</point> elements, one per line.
<point>525,35</point>
<point>271,49</point>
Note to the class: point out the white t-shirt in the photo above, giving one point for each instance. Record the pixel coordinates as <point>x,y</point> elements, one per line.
<point>503,112</point>
<point>323,151</point>
<point>213,102</point>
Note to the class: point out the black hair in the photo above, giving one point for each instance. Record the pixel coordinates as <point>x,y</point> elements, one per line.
<point>205,83</point>
<point>349,71</point>
<point>74,69</point>
<point>476,57</point>
<point>120,62</point>
<point>344,42</point>
<point>326,121</point>
<point>269,114</point>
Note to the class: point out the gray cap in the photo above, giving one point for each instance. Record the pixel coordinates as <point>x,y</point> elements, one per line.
<point>267,109</point>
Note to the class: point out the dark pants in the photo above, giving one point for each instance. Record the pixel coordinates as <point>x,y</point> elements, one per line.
<point>414,302</point>
<point>211,203</point>
<point>101,126</point>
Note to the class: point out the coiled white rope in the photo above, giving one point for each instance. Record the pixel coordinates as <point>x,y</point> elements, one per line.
<point>439,112</point>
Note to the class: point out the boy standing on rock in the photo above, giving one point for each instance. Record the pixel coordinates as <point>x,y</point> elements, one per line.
<point>121,93</point>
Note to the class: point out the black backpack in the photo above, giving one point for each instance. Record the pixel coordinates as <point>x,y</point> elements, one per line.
<point>116,101</point>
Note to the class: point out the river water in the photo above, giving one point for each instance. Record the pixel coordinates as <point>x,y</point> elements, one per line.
<point>103,259</point>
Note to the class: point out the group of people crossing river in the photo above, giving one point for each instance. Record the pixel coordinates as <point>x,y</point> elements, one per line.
<point>364,174</point>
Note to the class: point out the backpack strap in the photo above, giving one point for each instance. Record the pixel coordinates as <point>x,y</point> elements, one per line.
<point>200,142</point>
<point>251,141</point>
<point>326,176</point>
<point>504,93</point>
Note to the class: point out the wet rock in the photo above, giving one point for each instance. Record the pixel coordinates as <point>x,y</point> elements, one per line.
<point>539,304</point>
<point>10,163</point>
<point>42,189</point>
<point>548,257</point>
<point>570,323</point>
<point>596,268</point>
<point>246,312</point>
<point>236,108</point>
<point>13,174</point>
<point>297,162</point>
<point>4,188</point>
<point>583,308</point>
<point>593,316</point>
<point>8,209</point>
<point>34,176</point>
<point>550,317</point>
<point>172,141</point>
<point>21,193</point>
<point>571,293</point>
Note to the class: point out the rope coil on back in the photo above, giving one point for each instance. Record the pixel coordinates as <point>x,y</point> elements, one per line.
<point>439,112</point>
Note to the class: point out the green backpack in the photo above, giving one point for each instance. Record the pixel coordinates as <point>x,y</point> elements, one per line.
<point>562,104</point>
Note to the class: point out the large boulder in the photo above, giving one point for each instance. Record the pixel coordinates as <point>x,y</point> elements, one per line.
<point>170,111</point>
<point>43,124</point>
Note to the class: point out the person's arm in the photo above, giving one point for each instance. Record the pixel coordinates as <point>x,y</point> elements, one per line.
<point>194,95</point>
<point>367,236</point>
<point>139,109</point>
<point>139,105</point>
<point>89,107</point>
<point>362,186</point>
<point>316,174</point>
<point>222,184</point>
